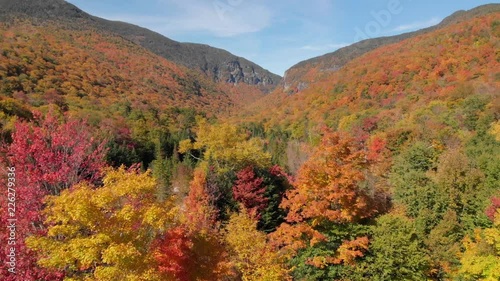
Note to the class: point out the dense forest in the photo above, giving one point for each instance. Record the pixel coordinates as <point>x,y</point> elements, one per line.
<point>118,164</point>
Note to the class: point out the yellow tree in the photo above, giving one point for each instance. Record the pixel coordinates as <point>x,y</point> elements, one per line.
<point>251,254</point>
<point>105,233</point>
<point>226,146</point>
<point>481,259</point>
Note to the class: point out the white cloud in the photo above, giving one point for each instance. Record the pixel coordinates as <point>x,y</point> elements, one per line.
<point>222,18</point>
<point>323,47</point>
<point>416,25</point>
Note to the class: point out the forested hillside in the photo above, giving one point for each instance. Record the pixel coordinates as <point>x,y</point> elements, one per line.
<point>121,165</point>
<point>425,111</point>
<point>303,73</point>
<point>217,64</point>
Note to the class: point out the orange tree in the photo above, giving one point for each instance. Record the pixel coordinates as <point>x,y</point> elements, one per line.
<point>327,208</point>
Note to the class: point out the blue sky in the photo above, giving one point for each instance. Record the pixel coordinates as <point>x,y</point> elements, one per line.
<point>277,34</point>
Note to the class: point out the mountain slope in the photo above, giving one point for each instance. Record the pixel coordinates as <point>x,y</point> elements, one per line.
<point>97,74</point>
<point>301,74</point>
<point>218,64</point>
<point>392,83</point>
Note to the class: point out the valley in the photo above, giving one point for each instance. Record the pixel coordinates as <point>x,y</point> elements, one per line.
<point>137,157</point>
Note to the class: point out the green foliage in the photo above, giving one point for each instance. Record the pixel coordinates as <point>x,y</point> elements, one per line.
<point>443,244</point>
<point>163,170</point>
<point>276,183</point>
<point>484,150</point>
<point>463,185</point>
<point>277,142</point>
<point>121,154</point>
<point>472,107</point>
<point>412,186</point>
<point>304,264</point>
<point>397,252</point>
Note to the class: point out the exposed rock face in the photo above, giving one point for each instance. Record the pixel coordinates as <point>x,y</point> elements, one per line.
<point>245,74</point>
<point>218,64</point>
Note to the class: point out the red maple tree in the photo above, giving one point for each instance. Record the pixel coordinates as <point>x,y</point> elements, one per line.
<point>249,191</point>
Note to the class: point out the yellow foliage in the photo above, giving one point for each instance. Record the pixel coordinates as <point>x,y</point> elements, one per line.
<point>105,233</point>
<point>185,146</point>
<point>226,146</point>
<point>252,256</point>
<point>481,259</point>
<point>495,130</point>
<point>346,122</point>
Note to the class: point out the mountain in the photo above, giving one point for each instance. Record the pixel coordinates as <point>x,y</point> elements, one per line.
<point>391,85</point>
<point>97,74</point>
<point>299,76</point>
<point>219,65</point>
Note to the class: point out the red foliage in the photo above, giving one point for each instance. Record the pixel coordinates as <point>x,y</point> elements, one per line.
<point>172,253</point>
<point>249,191</point>
<point>375,149</point>
<point>193,250</point>
<point>370,124</point>
<point>278,172</point>
<point>47,157</point>
<point>492,209</point>
<point>55,156</point>
<point>185,254</point>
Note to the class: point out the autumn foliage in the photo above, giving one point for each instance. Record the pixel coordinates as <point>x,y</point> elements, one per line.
<point>328,190</point>
<point>254,258</point>
<point>194,250</point>
<point>104,233</point>
<point>249,191</point>
<point>49,157</point>
<point>384,169</point>
<point>491,212</point>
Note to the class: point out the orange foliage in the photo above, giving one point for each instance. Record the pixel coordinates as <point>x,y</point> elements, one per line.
<point>424,66</point>
<point>200,213</point>
<point>327,185</point>
<point>327,190</point>
<point>194,250</point>
<point>96,73</point>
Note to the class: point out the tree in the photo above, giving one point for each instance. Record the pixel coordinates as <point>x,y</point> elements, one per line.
<point>481,259</point>
<point>249,191</point>
<point>443,244</point>
<point>172,252</point>
<point>254,258</point>
<point>194,250</point>
<point>105,233</point>
<point>228,148</point>
<point>55,156</point>
<point>183,254</point>
<point>412,185</point>
<point>48,157</point>
<point>396,251</point>
<point>462,184</point>
<point>200,211</point>
<point>277,182</point>
<point>491,210</point>
<point>327,194</point>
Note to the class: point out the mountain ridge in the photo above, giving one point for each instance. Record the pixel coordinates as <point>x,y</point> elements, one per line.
<point>218,64</point>
<point>295,78</point>
<point>422,68</point>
